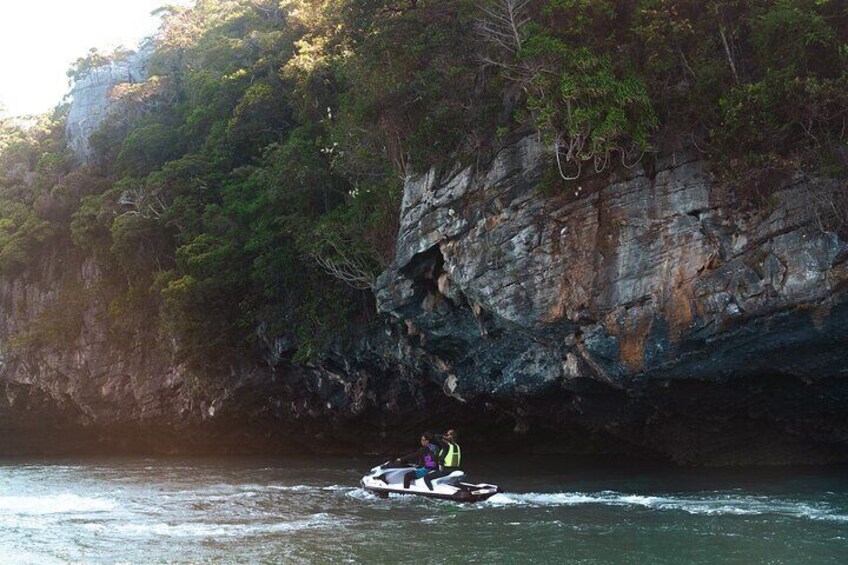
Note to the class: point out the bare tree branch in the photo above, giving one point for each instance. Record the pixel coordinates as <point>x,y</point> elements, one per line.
<point>727,51</point>
<point>143,204</point>
<point>350,267</point>
<point>505,24</point>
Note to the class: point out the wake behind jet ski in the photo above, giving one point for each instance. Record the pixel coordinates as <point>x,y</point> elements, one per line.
<point>426,478</point>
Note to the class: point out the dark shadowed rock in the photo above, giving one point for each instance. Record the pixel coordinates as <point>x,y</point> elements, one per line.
<point>636,306</point>
<point>638,314</point>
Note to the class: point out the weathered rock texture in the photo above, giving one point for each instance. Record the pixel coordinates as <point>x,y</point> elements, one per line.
<point>77,375</point>
<point>639,314</point>
<point>92,98</point>
<point>644,307</point>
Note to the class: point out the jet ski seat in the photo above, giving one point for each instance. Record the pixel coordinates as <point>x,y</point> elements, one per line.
<point>453,479</point>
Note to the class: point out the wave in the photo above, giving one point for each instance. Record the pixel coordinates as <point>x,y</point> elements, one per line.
<point>363,495</point>
<point>205,495</point>
<point>311,488</point>
<point>206,530</point>
<point>713,504</point>
<point>55,504</point>
<point>13,554</point>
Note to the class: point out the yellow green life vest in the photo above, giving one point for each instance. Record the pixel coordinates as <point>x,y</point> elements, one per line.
<point>453,455</point>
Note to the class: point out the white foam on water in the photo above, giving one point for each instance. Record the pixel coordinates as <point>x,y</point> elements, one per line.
<point>542,499</point>
<point>208,530</point>
<point>12,554</point>
<point>311,488</point>
<point>715,504</point>
<point>294,488</point>
<point>54,504</point>
<point>830,517</point>
<point>362,494</point>
<point>242,493</point>
<point>502,500</point>
<point>339,488</point>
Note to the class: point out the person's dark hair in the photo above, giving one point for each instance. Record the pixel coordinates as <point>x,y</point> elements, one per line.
<point>428,435</point>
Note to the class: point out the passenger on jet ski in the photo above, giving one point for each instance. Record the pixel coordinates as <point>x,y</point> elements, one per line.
<point>426,459</point>
<point>450,456</point>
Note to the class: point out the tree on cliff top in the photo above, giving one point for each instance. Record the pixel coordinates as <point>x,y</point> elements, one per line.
<point>262,162</point>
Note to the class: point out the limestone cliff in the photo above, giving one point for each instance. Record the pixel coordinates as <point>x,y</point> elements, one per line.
<point>639,313</point>
<point>92,98</point>
<point>643,306</point>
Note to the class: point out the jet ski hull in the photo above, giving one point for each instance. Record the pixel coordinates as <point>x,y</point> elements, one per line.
<point>387,479</point>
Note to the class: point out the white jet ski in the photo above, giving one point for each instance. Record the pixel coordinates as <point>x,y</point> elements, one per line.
<point>388,478</point>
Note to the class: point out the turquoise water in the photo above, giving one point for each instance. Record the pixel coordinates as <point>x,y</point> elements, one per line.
<point>312,511</point>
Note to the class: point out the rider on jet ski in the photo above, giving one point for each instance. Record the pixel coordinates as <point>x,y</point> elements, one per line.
<point>449,456</point>
<point>426,459</point>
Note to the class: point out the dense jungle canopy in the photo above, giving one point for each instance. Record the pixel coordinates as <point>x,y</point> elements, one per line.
<point>247,192</point>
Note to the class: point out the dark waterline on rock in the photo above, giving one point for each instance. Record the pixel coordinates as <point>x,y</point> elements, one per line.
<point>303,510</point>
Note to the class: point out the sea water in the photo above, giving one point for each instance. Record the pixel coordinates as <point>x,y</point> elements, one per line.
<point>146,510</point>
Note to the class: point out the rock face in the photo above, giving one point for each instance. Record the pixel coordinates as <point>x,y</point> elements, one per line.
<point>90,380</point>
<point>643,307</point>
<point>637,314</point>
<point>92,99</point>
<point>70,378</point>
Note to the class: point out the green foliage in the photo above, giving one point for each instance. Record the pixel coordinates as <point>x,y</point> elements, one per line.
<point>590,108</point>
<point>798,37</point>
<point>89,228</point>
<point>83,66</point>
<point>137,244</point>
<point>146,148</point>
<point>36,199</point>
<point>584,91</point>
<point>21,232</point>
<point>410,97</point>
<point>248,191</point>
<point>732,79</point>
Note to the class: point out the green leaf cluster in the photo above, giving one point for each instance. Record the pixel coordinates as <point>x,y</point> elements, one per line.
<point>246,193</point>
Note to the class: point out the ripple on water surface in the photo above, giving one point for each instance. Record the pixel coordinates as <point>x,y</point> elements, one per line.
<point>55,504</point>
<point>219,511</point>
<point>714,503</point>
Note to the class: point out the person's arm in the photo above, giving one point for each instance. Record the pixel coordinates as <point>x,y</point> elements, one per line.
<point>410,458</point>
<point>443,448</point>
